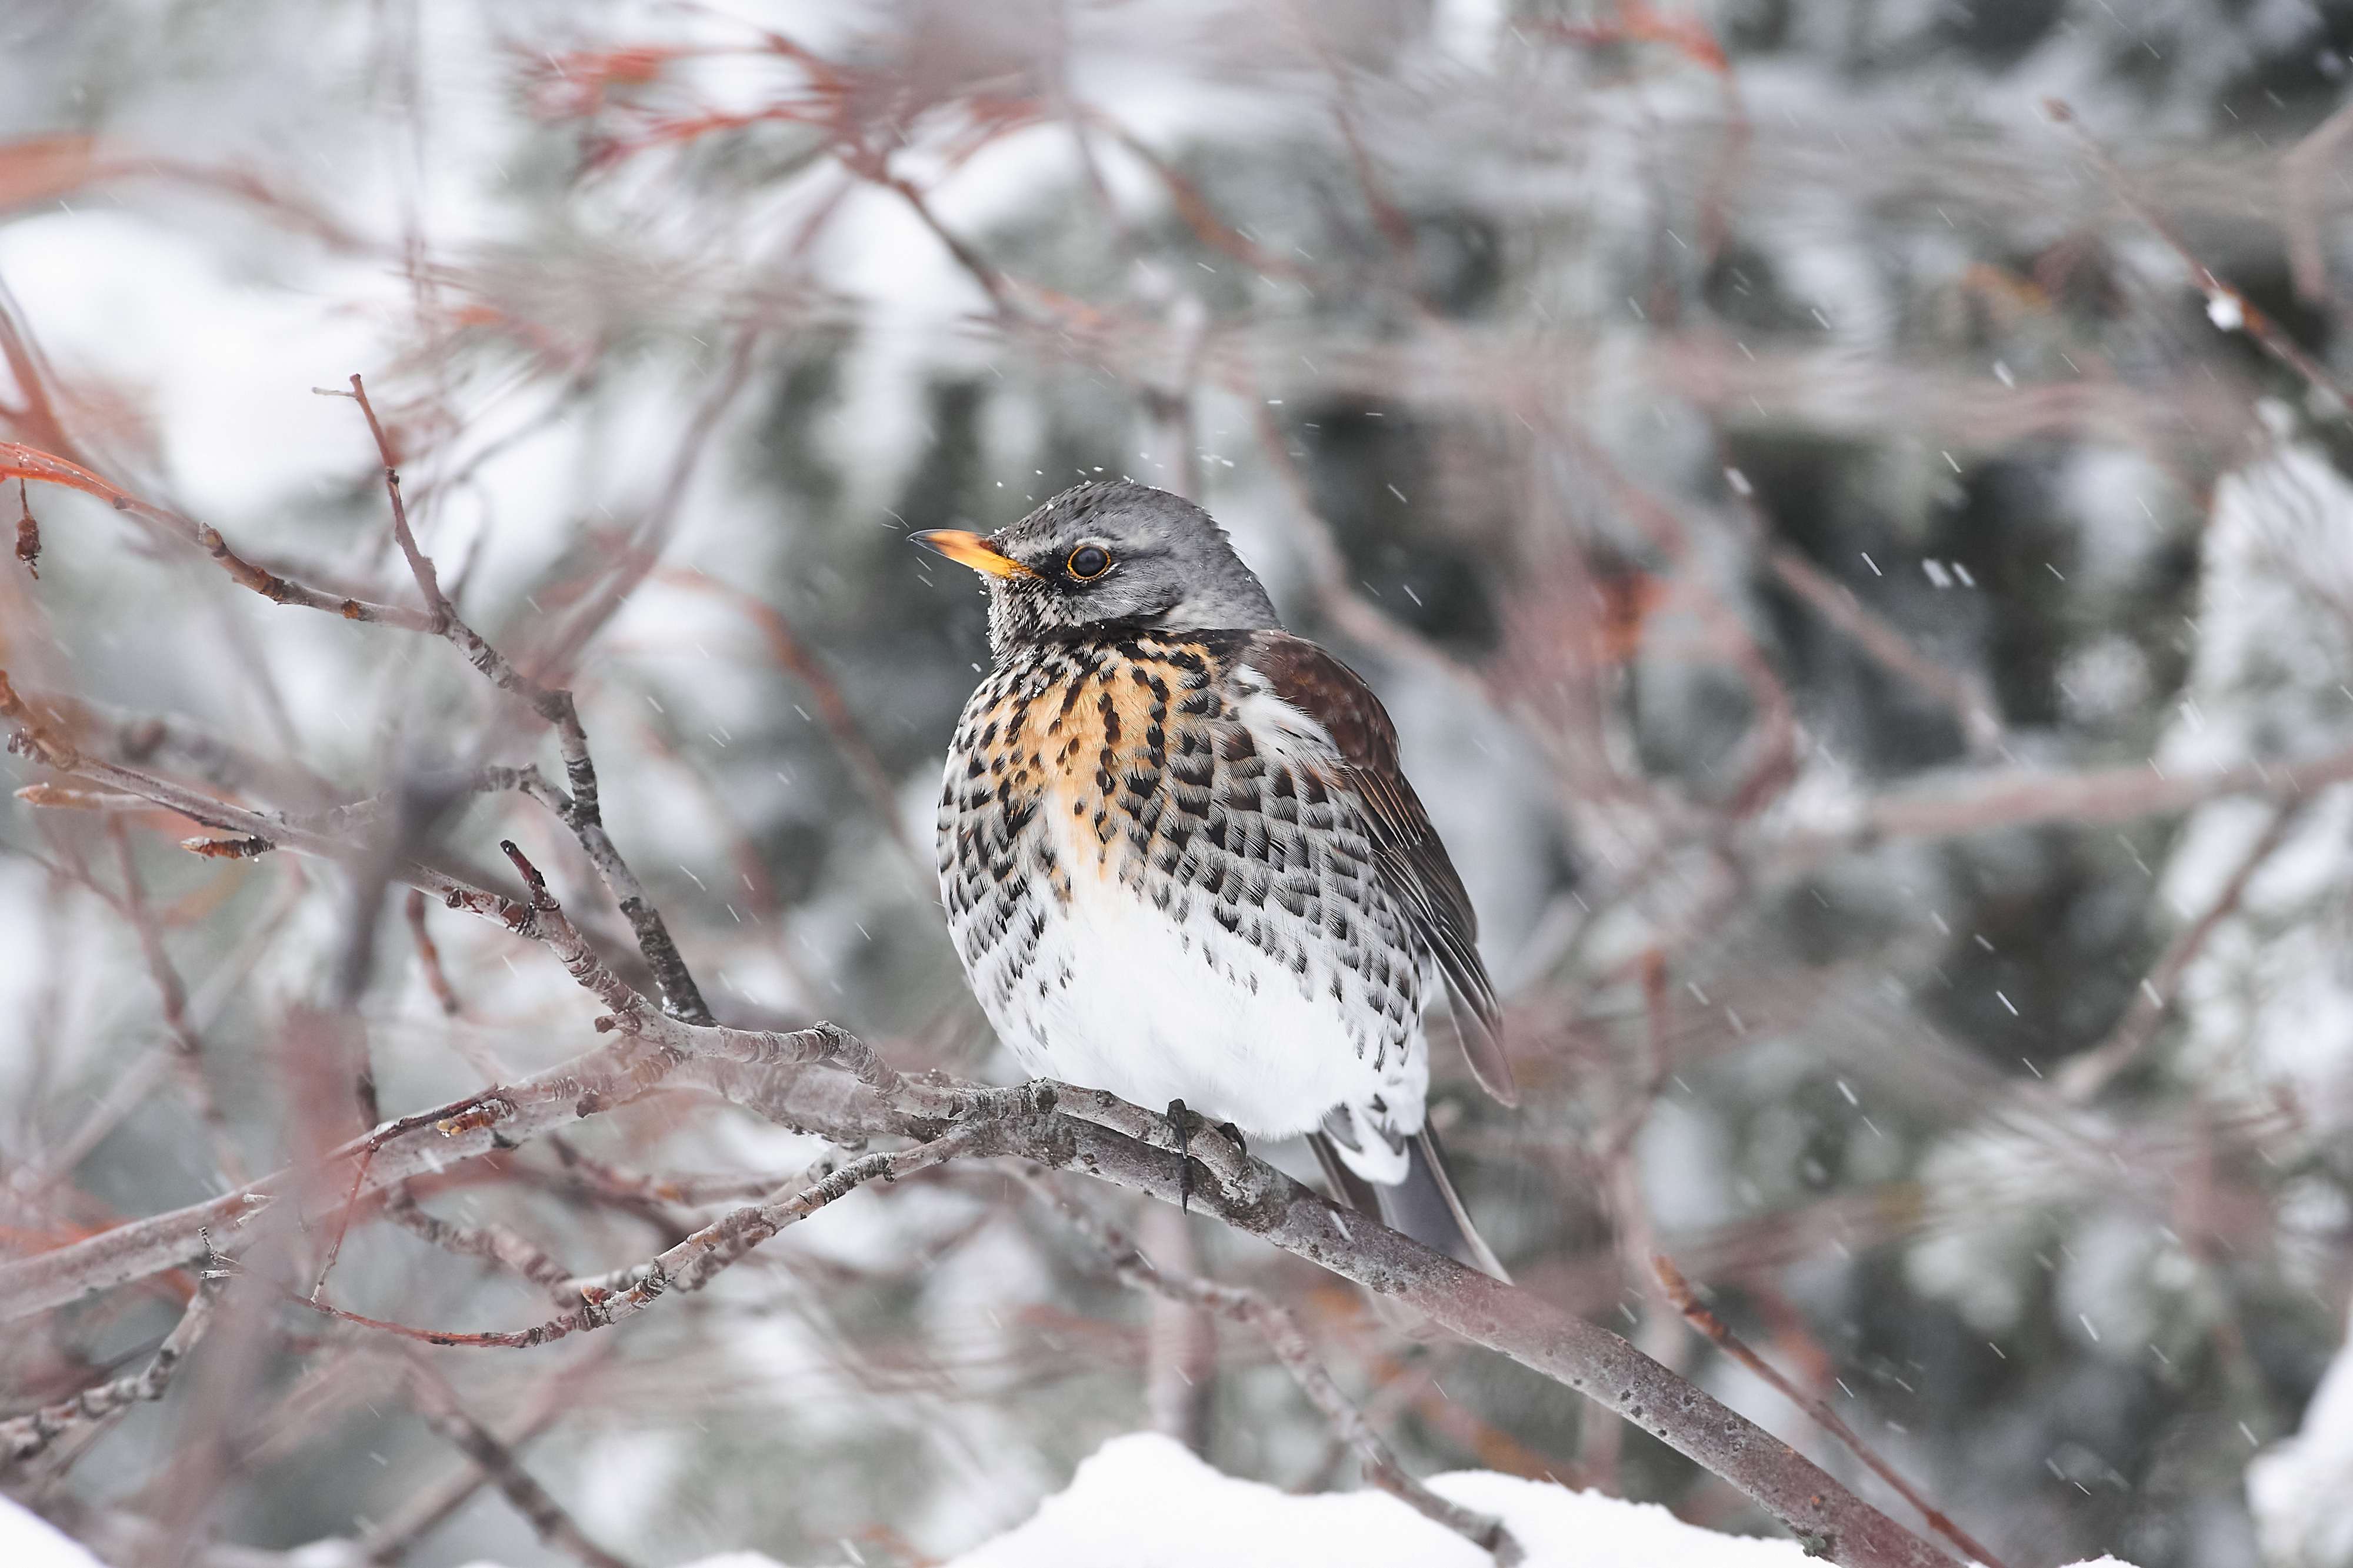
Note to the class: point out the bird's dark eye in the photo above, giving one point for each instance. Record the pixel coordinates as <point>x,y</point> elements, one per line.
<point>1088,562</point>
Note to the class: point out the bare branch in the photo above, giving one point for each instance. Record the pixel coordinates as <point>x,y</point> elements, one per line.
<point>947,1118</point>
<point>428,956</point>
<point>1982,801</point>
<point>581,809</point>
<point>793,655</point>
<point>1962,692</point>
<point>26,1436</point>
<point>479,1124</point>
<point>390,1539</point>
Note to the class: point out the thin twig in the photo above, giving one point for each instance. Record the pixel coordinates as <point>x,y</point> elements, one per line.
<point>1963,692</point>
<point>493,1243</point>
<point>582,810</point>
<point>17,461</point>
<point>796,658</point>
<point>692,1263</point>
<point>1328,570</point>
<point>2084,1078</point>
<point>428,958</point>
<point>438,1404</point>
<point>1679,1290</point>
<point>393,1536</point>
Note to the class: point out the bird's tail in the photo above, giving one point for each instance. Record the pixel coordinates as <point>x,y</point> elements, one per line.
<point>1423,1205</point>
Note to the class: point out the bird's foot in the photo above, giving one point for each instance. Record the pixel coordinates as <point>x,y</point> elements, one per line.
<point>1230,1171</point>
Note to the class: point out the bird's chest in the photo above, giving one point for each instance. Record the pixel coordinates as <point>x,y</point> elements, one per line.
<point>1065,775</point>
<point>1155,895</point>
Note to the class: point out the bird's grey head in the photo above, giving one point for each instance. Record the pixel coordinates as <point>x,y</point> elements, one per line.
<point>1107,554</point>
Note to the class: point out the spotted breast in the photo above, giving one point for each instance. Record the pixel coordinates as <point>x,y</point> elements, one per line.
<point>1165,879</point>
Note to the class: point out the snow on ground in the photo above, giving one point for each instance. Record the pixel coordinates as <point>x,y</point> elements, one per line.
<point>28,1541</point>
<point>1146,1503</point>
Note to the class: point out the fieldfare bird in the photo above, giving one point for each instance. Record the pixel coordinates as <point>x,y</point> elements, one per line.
<point>1181,863</point>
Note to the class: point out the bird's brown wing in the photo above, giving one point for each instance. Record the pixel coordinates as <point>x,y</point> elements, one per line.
<point>1410,859</point>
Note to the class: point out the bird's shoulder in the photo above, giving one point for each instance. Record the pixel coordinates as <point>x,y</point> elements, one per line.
<point>1411,858</point>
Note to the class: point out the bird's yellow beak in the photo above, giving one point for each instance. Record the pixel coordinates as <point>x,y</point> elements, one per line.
<point>969,550</point>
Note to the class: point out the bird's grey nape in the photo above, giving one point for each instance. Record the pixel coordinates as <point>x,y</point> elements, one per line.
<point>1171,568</point>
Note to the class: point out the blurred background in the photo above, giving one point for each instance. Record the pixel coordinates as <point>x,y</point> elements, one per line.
<point>1860,557</point>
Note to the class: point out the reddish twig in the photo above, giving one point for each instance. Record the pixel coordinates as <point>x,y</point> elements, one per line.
<point>428,958</point>
<point>492,1243</point>
<point>188,1045</point>
<point>391,1538</point>
<point>1961,691</point>
<point>21,462</point>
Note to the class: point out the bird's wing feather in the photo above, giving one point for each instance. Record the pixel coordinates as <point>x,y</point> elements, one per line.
<point>1410,860</point>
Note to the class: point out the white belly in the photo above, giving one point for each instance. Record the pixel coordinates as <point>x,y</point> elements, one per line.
<point>1121,997</point>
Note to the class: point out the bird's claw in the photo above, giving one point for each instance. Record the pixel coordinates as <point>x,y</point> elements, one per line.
<point>1182,1121</point>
